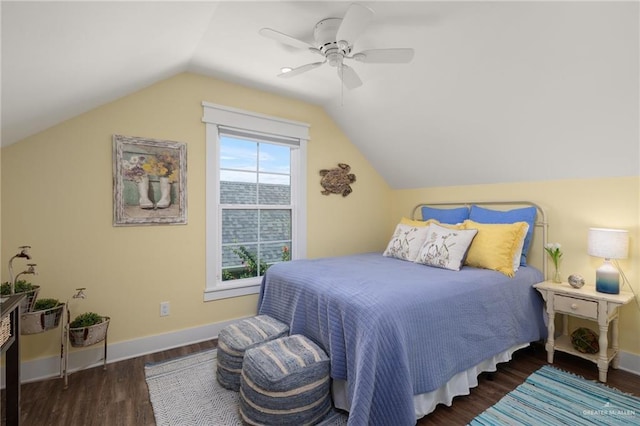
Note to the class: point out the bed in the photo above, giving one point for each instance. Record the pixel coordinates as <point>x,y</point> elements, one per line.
<point>403,336</point>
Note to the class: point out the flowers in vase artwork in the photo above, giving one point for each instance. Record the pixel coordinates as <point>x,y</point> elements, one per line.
<point>149,181</point>
<point>554,250</point>
<point>132,168</point>
<point>163,165</point>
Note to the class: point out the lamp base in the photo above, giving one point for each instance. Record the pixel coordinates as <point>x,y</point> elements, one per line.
<point>607,278</point>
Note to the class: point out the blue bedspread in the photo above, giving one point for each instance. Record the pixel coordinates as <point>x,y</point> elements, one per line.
<point>394,328</point>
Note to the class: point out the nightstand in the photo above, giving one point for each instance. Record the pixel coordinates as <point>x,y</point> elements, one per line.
<point>586,303</point>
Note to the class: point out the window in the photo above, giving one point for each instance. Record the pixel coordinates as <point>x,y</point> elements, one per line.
<point>256,200</point>
<point>255,205</point>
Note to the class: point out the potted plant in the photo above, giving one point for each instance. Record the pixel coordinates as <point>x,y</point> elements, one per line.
<point>87,329</point>
<point>45,316</point>
<point>22,286</point>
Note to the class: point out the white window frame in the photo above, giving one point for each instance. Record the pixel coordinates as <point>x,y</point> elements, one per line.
<point>217,118</point>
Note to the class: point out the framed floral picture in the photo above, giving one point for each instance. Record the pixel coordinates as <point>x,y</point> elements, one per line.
<point>149,181</point>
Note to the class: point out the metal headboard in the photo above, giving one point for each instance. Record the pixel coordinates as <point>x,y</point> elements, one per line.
<point>541,217</point>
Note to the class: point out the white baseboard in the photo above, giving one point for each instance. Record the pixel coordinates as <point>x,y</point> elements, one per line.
<point>46,368</point>
<point>629,362</point>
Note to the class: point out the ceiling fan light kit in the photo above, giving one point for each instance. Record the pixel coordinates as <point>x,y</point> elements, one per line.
<point>334,39</point>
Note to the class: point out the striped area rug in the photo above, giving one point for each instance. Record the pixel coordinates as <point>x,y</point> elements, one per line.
<point>554,397</point>
<point>184,391</point>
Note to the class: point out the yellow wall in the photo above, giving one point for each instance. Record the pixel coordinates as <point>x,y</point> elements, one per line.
<point>57,197</point>
<point>572,207</point>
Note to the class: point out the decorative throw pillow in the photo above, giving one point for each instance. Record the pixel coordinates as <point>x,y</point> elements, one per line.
<point>406,242</point>
<point>417,223</point>
<point>526,214</point>
<point>456,215</point>
<point>449,225</point>
<point>495,245</point>
<point>445,248</point>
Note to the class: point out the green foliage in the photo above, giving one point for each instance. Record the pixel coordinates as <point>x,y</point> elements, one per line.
<point>86,320</point>
<point>44,304</point>
<point>22,286</point>
<point>286,255</point>
<point>554,251</point>
<point>250,265</point>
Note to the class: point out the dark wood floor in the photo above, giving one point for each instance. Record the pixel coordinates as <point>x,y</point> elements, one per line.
<point>119,395</point>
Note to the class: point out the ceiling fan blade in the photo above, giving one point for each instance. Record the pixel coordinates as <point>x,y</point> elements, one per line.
<point>385,56</point>
<point>285,39</point>
<point>354,22</point>
<point>349,77</point>
<point>300,70</point>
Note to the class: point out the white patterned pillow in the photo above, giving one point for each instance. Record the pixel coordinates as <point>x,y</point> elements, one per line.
<point>406,242</point>
<point>445,248</point>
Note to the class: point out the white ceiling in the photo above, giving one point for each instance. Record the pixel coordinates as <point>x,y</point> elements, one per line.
<point>497,91</point>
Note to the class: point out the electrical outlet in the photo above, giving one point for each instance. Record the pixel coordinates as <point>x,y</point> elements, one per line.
<point>164,309</point>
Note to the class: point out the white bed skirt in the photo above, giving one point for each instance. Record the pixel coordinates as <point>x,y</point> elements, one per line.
<point>425,403</point>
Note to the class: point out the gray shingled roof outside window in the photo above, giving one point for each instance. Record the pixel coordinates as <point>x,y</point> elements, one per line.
<point>240,227</point>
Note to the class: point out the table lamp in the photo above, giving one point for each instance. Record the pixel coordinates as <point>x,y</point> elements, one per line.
<point>609,244</point>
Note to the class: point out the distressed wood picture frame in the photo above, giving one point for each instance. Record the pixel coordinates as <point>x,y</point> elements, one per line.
<point>149,181</point>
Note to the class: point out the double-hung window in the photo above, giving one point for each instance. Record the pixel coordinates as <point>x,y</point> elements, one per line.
<point>256,200</point>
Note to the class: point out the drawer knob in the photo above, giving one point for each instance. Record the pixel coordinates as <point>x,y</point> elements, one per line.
<point>574,306</point>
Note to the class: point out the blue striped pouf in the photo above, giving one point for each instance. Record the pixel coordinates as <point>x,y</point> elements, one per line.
<point>285,382</point>
<point>236,338</point>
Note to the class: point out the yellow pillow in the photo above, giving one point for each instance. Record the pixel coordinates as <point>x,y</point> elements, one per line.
<point>495,245</point>
<point>417,223</point>
<point>450,225</point>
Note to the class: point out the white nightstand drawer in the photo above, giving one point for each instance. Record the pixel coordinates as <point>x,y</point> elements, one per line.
<point>583,308</point>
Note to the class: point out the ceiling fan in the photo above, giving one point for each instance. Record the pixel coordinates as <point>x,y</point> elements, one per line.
<point>334,39</point>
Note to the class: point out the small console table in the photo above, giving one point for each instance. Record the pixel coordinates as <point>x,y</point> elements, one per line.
<point>587,303</point>
<point>10,309</point>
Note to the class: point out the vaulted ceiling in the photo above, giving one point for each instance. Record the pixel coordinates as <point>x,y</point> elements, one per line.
<point>496,92</point>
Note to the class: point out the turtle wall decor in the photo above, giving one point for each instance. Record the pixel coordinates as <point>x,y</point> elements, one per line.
<point>337,180</point>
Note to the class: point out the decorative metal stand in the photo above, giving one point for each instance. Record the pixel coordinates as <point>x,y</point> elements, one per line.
<point>80,337</point>
<point>32,322</point>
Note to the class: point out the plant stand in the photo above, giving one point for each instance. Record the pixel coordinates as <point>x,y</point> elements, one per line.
<point>81,337</point>
<point>41,321</point>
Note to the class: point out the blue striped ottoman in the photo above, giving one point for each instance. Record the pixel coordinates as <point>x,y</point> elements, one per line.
<point>285,382</point>
<point>236,338</point>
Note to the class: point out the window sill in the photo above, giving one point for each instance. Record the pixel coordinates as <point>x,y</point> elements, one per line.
<point>226,291</point>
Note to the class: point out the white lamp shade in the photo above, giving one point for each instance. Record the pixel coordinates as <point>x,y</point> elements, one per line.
<point>608,243</point>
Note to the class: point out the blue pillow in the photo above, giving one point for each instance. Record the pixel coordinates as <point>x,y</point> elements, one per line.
<point>450,216</point>
<point>527,214</point>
